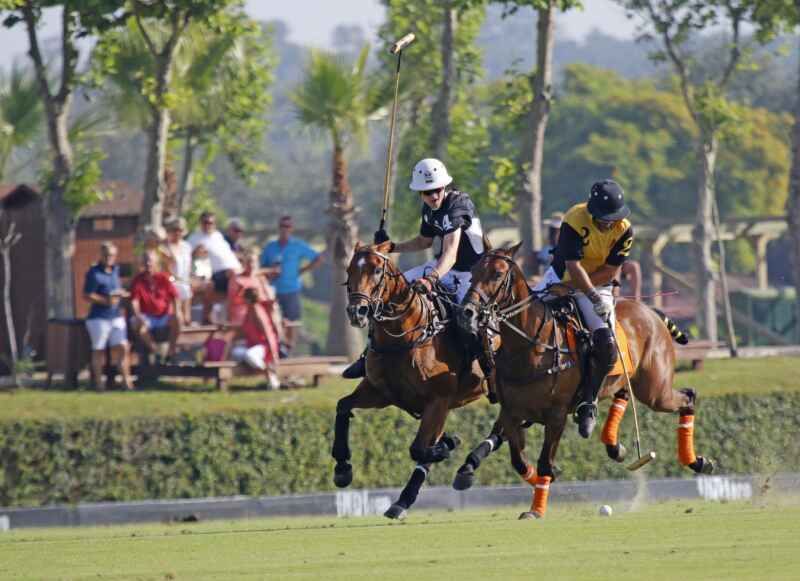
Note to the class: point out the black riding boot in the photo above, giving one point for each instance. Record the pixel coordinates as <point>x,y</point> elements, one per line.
<point>357,368</point>
<point>602,360</point>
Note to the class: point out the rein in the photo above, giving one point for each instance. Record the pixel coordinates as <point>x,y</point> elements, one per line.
<point>492,313</point>
<point>379,309</point>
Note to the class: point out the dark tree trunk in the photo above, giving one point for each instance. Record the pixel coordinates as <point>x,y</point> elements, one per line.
<point>530,196</point>
<point>706,317</point>
<point>793,201</point>
<point>440,112</point>
<point>343,339</point>
<point>187,177</point>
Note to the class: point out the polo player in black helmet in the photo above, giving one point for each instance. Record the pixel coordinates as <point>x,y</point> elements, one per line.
<point>595,240</point>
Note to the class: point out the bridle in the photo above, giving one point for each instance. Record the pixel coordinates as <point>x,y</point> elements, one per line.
<point>374,300</point>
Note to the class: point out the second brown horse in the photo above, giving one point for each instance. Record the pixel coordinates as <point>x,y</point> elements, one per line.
<point>414,363</point>
<point>537,384</point>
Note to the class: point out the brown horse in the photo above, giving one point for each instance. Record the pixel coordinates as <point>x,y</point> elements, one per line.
<point>415,362</point>
<point>537,376</point>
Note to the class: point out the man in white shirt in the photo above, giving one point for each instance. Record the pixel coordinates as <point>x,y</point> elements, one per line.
<point>208,241</point>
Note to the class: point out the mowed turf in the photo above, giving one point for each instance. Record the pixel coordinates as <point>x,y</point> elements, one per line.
<point>675,540</point>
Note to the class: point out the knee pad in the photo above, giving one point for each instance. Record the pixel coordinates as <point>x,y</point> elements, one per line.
<point>604,349</point>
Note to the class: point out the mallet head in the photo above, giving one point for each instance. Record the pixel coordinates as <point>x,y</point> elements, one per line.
<point>402,43</point>
<point>641,461</point>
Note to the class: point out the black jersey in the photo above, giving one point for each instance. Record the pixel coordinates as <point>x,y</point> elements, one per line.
<point>457,212</point>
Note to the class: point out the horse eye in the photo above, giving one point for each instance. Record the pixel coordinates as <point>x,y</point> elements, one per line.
<point>497,275</point>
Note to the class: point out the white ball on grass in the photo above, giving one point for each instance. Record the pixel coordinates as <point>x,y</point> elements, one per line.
<point>606,510</point>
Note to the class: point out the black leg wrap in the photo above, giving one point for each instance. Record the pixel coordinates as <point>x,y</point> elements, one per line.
<point>430,455</point>
<point>341,447</point>
<point>409,494</point>
<point>450,441</point>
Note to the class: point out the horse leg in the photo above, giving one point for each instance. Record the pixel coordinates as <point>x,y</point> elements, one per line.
<point>655,390</point>
<point>431,445</point>
<point>610,436</point>
<point>363,396</point>
<point>465,477</point>
<point>544,475</point>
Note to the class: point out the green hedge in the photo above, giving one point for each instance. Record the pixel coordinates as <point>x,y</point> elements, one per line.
<point>269,453</point>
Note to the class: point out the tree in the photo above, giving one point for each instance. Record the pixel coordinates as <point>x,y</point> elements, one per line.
<point>529,196</point>
<point>20,113</point>
<point>674,22</point>
<point>163,26</point>
<point>7,242</point>
<point>220,84</point>
<point>337,99</point>
<point>69,183</point>
<point>772,17</point>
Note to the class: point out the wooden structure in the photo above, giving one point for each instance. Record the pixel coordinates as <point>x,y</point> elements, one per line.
<point>24,206</point>
<point>115,219</point>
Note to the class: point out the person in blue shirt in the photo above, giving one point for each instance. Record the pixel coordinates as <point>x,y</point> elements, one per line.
<point>288,258</point>
<point>106,323</point>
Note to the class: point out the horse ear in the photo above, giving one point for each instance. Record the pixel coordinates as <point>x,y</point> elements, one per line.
<point>384,247</point>
<point>487,245</point>
<point>358,245</point>
<point>513,250</point>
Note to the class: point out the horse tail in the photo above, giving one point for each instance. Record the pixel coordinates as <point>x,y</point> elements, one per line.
<point>680,337</point>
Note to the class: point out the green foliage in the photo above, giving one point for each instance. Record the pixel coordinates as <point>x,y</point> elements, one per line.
<point>21,113</point>
<point>81,187</point>
<point>287,451</point>
<point>605,125</point>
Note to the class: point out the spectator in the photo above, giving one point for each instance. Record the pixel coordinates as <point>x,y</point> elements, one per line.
<point>180,253</point>
<point>250,277</point>
<point>154,240</point>
<point>233,235</point>
<point>224,264</point>
<point>544,256</point>
<point>287,252</point>
<point>105,322</point>
<point>261,339</point>
<point>154,301</point>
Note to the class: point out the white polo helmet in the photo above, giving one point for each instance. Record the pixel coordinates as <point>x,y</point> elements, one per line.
<point>429,174</point>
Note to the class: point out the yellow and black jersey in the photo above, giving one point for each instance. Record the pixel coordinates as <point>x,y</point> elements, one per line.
<point>581,239</point>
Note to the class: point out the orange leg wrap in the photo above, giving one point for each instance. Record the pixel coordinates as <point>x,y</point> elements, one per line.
<point>686,453</point>
<point>541,490</point>
<point>611,427</point>
<point>530,475</point>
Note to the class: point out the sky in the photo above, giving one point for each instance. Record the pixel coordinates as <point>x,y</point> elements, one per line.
<point>312,21</point>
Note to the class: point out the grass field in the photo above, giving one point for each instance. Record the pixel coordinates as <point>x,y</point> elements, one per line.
<point>677,540</point>
<point>720,376</point>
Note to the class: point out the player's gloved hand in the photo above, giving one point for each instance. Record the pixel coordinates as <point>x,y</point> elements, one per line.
<point>422,285</point>
<point>380,236</point>
<point>601,308</point>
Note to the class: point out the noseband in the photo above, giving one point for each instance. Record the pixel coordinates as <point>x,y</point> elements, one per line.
<point>377,306</point>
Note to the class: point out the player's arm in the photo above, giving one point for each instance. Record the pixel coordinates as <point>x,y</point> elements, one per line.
<point>417,243</point>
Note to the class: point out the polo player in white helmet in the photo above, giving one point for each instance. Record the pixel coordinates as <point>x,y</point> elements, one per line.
<point>449,215</point>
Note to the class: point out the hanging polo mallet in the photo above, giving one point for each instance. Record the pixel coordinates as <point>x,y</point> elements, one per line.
<point>651,455</point>
<point>396,48</point>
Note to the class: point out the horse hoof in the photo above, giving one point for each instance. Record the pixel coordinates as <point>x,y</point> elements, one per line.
<point>530,515</point>
<point>464,480</point>
<point>395,512</point>
<point>617,453</point>
<point>452,442</point>
<point>342,477</point>
<point>703,466</point>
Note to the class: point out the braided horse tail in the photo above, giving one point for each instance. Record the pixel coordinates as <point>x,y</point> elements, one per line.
<point>677,334</point>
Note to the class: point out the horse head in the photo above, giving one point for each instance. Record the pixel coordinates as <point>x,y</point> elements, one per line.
<point>493,279</point>
<point>368,276</point>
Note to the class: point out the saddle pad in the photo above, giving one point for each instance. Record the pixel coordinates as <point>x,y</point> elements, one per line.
<point>622,340</point>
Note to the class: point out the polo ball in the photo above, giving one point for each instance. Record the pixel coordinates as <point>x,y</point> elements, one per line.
<point>606,510</point>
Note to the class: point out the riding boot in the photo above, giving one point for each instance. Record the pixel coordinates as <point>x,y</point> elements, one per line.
<point>602,360</point>
<point>357,368</point>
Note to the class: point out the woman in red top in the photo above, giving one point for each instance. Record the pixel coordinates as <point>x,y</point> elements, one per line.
<point>261,338</point>
<point>249,278</point>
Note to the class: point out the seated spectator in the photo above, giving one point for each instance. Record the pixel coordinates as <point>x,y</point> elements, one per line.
<point>224,264</point>
<point>261,339</point>
<point>233,235</point>
<point>250,277</point>
<point>105,322</point>
<point>154,240</point>
<point>154,301</point>
<point>180,253</point>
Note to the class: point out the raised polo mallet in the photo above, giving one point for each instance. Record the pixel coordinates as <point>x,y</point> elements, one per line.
<point>397,48</point>
<point>651,455</point>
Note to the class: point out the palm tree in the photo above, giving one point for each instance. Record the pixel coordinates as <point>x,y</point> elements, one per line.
<point>21,114</point>
<point>336,98</point>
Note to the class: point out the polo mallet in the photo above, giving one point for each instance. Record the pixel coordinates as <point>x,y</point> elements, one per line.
<point>651,455</point>
<point>397,48</point>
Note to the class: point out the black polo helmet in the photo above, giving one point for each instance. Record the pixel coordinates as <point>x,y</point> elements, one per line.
<point>607,201</point>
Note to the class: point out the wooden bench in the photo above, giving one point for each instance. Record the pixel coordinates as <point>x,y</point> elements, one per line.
<point>309,368</point>
<point>695,352</point>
